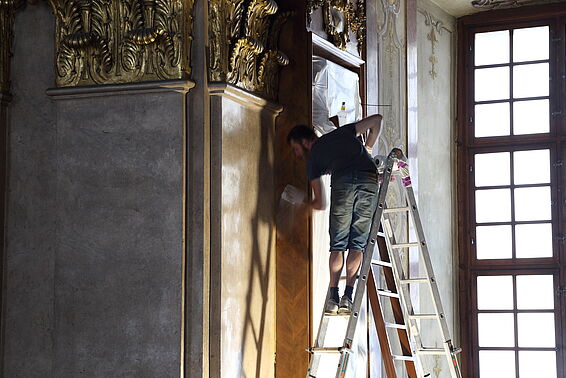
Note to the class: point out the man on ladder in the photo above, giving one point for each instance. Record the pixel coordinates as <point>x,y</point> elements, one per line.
<point>353,199</point>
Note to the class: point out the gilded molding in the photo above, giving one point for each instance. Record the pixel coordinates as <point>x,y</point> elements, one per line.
<point>110,42</point>
<point>243,44</point>
<point>492,4</point>
<point>340,19</point>
<point>7,13</point>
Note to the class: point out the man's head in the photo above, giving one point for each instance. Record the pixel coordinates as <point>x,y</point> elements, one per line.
<point>301,138</point>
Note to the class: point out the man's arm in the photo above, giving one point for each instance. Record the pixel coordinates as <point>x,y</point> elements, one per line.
<point>373,124</point>
<point>319,200</point>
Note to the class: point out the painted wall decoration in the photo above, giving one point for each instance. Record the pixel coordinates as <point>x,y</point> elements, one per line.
<point>341,17</point>
<point>104,41</point>
<point>243,44</point>
<point>492,4</point>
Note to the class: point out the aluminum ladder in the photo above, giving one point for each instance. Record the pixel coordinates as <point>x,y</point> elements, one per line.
<point>398,289</point>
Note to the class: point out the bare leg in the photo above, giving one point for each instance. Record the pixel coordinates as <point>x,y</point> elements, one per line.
<point>335,263</point>
<point>353,263</point>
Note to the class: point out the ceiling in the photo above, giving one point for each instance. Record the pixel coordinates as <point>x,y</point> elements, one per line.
<point>456,8</point>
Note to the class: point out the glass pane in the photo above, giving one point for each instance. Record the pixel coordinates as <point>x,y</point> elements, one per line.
<point>492,169</point>
<point>493,242</point>
<point>533,240</point>
<point>530,80</point>
<point>492,83</point>
<point>492,48</point>
<point>491,120</point>
<point>496,330</point>
<point>493,205</point>
<point>531,167</point>
<point>497,364</point>
<point>530,44</point>
<point>531,117</point>
<point>537,364</point>
<point>495,292</point>
<point>535,292</point>
<point>532,203</point>
<point>536,330</point>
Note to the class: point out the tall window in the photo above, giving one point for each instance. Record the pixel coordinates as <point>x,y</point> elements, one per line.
<point>511,184</point>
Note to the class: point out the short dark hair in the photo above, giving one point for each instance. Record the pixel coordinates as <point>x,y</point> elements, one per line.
<point>300,132</point>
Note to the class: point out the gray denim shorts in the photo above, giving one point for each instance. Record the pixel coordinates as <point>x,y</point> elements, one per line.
<point>353,199</point>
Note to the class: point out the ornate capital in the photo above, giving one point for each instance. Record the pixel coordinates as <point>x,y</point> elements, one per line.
<point>340,18</point>
<point>120,41</point>
<point>7,13</point>
<point>243,36</point>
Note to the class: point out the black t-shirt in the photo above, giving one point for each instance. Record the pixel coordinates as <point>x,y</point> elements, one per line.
<point>338,153</point>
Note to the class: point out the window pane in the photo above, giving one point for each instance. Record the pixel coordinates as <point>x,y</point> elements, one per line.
<point>531,117</point>
<point>533,240</point>
<point>493,205</point>
<point>531,167</point>
<point>492,48</point>
<point>537,364</point>
<point>536,330</point>
<point>530,44</point>
<point>495,292</point>
<point>491,120</point>
<point>532,203</point>
<point>497,364</point>
<point>535,292</point>
<point>492,169</point>
<point>496,330</point>
<point>493,242</point>
<point>492,84</point>
<point>530,80</point>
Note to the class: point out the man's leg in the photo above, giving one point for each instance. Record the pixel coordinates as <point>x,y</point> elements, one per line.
<point>335,263</point>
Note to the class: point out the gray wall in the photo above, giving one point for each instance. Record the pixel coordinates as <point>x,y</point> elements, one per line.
<point>94,253</point>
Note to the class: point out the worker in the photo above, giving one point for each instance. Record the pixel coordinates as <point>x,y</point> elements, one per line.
<point>353,195</point>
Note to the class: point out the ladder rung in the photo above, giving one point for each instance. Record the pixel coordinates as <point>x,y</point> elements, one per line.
<point>406,245</point>
<point>431,351</point>
<point>415,280</point>
<point>396,209</point>
<point>327,350</point>
<point>395,325</point>
<point>382,263</point>
<point>423,316</point>
<point>403,358</point>
<point>337,315</point>
<point>387,293</point>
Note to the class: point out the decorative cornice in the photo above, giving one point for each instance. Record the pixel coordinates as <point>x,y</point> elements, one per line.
<point>340,18</point>
<point>242,97</point>
<point>109,42</point>
<point>492,4</point>
<point>243,48</point>
<point>7,13</point>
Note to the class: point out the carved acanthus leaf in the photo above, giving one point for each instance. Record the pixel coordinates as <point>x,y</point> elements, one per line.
<point>243,37</point>
<point>117,41</point>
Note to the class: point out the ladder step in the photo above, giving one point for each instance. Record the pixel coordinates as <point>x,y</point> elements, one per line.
<point>415,280</point>
<point>406,245</point>
<point>403,358</point>
<point>423,316</point>
<point>396,209</point>
<point>382,263</point>
<point>337,315</point>
<point>387,293</point>
<point>394,325</point>
<point>431,351</point>
<point>327,350</point>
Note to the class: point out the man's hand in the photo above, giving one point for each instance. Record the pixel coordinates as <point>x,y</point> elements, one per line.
<point>319,200</point>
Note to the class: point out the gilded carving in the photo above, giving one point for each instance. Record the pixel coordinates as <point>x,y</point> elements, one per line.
<point>243,48</point>
<point>340,19</point>
<point>105,41</point>
<point>7,12</point>
<point>435,29</point>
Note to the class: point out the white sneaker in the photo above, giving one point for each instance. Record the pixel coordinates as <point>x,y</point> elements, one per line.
<point>331,307</point>
<point>345,305</point>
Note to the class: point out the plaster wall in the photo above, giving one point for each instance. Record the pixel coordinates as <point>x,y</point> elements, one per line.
<point>436,163</point>
<point>243,253</point>
<point>31,222</point>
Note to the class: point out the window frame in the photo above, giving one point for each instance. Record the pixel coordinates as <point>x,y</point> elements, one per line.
<point>553,15</point>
